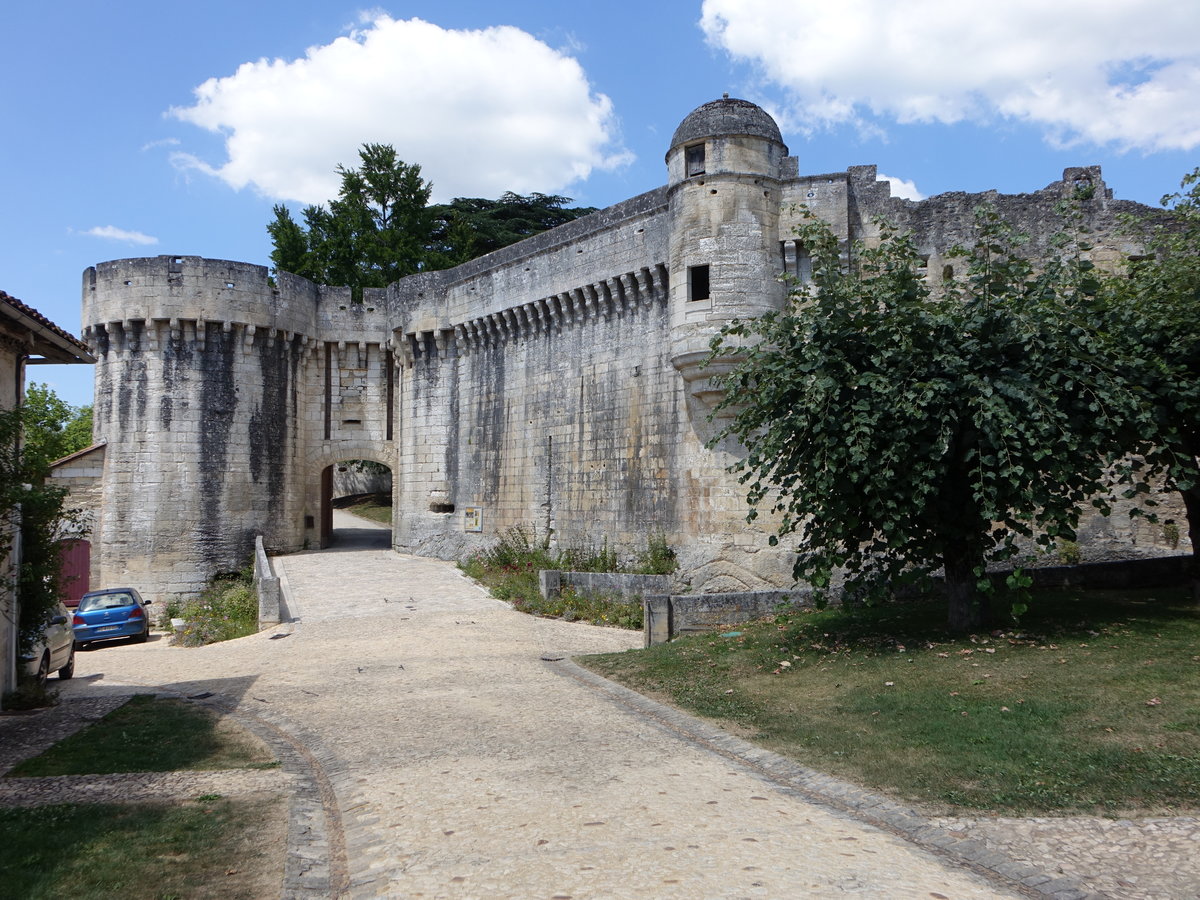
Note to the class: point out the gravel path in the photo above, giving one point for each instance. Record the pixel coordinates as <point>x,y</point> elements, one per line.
<point>439,744</point>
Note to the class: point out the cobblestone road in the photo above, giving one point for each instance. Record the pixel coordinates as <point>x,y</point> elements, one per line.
<point>440,751</point>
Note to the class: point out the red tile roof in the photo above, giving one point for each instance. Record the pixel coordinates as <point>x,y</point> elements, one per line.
<point>63,346</point>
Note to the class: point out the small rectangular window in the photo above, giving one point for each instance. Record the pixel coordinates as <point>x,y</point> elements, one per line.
<point>693,157</point>
<point>698,283</point>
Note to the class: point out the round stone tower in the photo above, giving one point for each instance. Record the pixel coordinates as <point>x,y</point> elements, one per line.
<point>199,365</point>
<point>723,179</point>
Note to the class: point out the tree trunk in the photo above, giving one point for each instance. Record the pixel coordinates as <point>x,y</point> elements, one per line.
<point>1191,503</point>
<point>967,609</point>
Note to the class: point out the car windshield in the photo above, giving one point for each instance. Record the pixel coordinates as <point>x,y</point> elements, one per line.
<point>105,601</point>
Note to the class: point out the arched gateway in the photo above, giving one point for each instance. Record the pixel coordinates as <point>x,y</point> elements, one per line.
<point>555,382</point>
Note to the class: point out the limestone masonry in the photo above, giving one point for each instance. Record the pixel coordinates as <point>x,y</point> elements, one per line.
<point>554,383</point>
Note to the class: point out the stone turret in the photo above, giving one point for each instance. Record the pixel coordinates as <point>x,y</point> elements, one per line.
<point>198,366</point>
<point>723,175</point>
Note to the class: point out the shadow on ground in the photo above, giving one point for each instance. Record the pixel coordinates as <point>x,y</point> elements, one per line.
<point>354,538</point>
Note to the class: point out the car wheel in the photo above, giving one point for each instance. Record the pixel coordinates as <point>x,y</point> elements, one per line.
<point>81,645</point>
<point>141,638</point>
<point>43,672</point>
<point>69,669</point>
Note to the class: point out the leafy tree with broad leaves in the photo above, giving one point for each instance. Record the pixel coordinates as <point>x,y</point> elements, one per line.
<point>35,509</point>
<point>44,428</point>
<point>1154,315</point>
<point>52,427</point>
<point>381,226</point>
<point>894,432</point>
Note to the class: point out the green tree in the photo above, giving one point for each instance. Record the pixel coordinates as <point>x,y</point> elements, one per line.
<point>493,224</point>
<point>894,432</point>
<point>34,509</point>
<point>77,433</point>
<point>1155,324</point>
<point>374,233</point>
<point>53,428</point>
<point>381,226</point>
<point>289,243</point>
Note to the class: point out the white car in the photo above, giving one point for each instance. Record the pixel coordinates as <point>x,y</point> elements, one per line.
<point>54,651</point>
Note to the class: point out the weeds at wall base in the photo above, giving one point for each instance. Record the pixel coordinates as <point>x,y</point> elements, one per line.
<point>226,609</point>
<point>510,571</point>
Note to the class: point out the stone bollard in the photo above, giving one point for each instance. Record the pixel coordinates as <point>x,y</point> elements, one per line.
<point>656,619</point>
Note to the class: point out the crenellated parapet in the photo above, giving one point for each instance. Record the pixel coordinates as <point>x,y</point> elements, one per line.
<point>142,305</point>
<point>615,297</point>
<point>133,336</point>
<point>178,288</point>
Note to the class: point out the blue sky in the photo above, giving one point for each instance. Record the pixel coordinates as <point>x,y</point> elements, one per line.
<point>137,128</point>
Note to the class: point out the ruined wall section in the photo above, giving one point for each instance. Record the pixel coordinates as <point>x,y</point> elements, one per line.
<point>852,201</point>
<point>198,391</point>
<point>943,221</point>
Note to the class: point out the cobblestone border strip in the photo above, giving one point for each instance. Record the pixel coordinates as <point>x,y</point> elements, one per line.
<point>840,796</point>
<point>140,787</point>
<point>316,862</point>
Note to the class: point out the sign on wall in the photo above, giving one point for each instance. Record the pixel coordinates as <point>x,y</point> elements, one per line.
<point>473,518</point>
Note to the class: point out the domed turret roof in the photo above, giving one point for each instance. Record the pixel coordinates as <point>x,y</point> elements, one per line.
<point>726,116</point>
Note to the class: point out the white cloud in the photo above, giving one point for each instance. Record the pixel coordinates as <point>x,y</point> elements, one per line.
<point>1121,72</point>
<point>481,112</point>
<point>112,233</point>
<point>905,190</point>
<point>164,142</point>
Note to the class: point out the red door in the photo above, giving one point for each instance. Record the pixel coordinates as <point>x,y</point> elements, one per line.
<point>76,568</point>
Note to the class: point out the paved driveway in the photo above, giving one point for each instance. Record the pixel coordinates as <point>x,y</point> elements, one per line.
<point>449,758</point>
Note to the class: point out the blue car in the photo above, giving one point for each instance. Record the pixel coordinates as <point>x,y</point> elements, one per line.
<point>111,613</point>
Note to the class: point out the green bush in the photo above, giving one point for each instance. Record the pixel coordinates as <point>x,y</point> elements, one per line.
<point>227,609</point>
<point>589,559</point>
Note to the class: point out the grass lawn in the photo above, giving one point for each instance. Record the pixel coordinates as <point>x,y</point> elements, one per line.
<point>151,734</point>
<point>204,847</point>
<point>1091,704</point>
<point>376,507</point>
<point>209,847</point>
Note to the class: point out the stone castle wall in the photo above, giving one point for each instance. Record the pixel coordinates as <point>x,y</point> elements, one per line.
<point>555,384</point>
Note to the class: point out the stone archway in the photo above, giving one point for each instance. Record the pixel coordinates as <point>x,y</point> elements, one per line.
<point>361,485</point>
